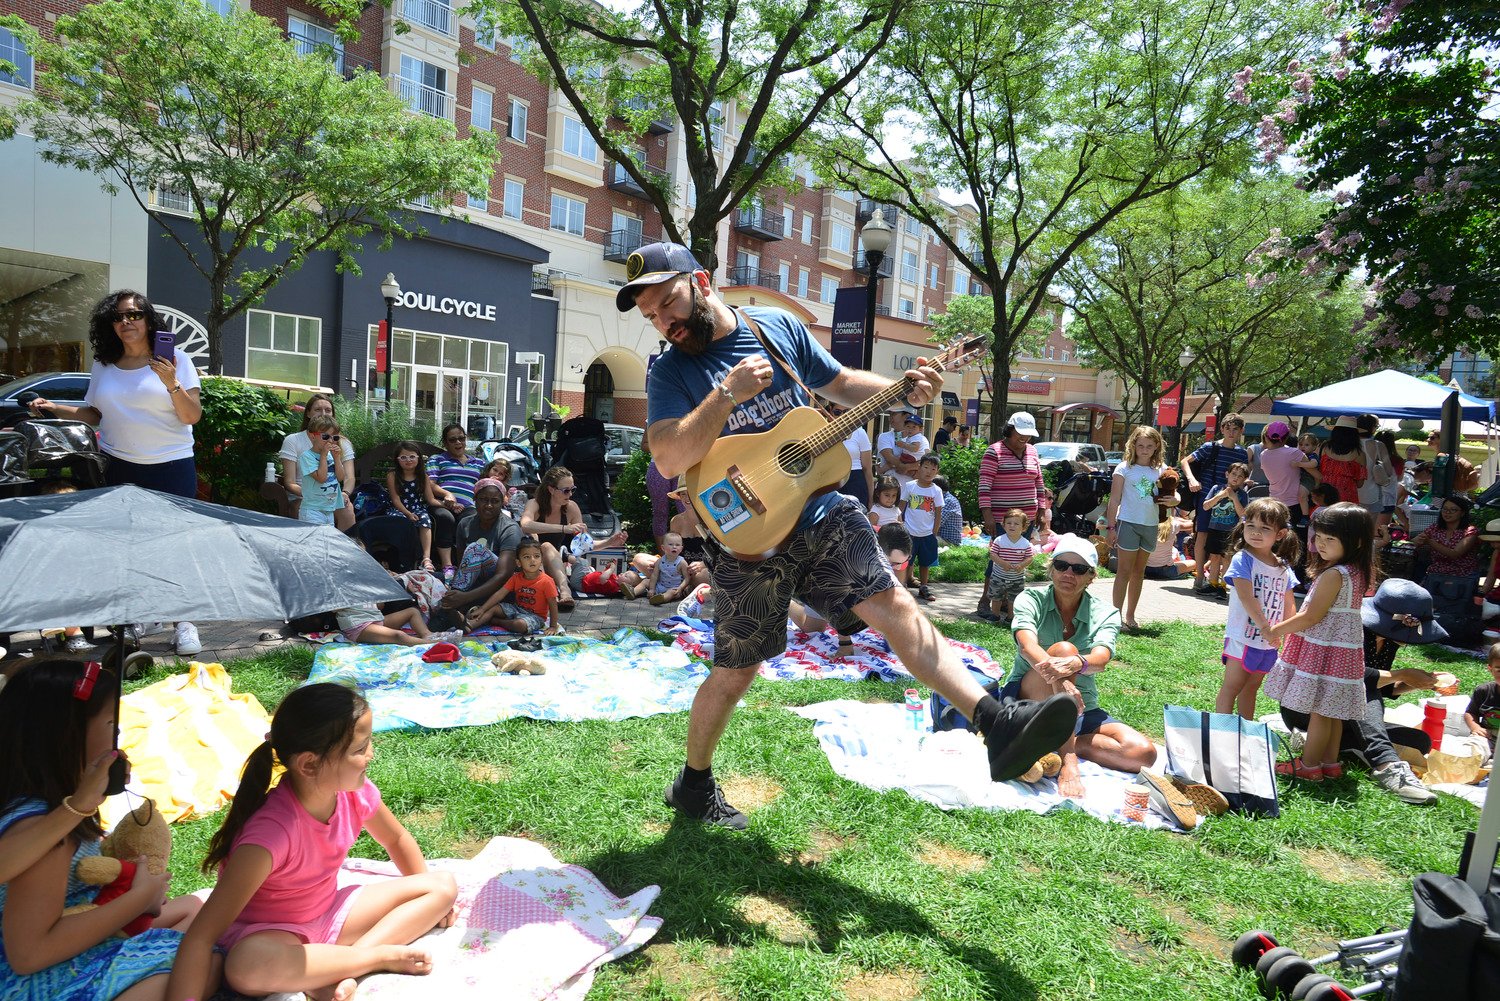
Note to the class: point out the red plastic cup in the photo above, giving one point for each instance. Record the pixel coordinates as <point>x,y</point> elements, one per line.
<point>1434,721</point>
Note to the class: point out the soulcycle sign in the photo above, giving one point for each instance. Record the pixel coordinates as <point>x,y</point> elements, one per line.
<point>447,304</point>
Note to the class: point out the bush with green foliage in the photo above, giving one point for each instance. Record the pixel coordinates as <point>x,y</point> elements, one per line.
<point>367,422</point>
<point>241,430</point>
<point>631,500</point>
<point>960,465</point>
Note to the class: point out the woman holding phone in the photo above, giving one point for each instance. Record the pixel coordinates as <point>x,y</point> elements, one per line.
<point>143,398</point>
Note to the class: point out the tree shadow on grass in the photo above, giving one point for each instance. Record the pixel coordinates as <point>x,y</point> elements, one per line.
<point>704,871</point>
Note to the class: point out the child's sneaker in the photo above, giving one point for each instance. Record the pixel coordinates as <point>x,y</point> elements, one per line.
<point>187,640</point>
<point>691,607</point>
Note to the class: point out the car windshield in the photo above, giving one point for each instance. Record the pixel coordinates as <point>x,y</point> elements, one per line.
<point>1056,450</point>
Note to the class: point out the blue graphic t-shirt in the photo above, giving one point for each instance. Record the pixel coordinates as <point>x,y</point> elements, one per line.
<point>679,382</point>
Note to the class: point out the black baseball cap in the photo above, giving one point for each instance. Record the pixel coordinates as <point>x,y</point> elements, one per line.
<point>651,265</point>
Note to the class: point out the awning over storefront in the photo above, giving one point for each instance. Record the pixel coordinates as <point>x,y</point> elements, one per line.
<point>1096,407</point>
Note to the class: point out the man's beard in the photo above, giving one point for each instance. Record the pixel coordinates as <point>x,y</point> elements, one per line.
<point>699,326</point>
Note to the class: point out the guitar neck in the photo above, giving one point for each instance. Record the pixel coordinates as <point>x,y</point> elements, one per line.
<point>859,415</point>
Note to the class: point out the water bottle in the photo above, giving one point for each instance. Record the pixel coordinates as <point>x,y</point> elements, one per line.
<point>914,710</point>
<point>270,472</point>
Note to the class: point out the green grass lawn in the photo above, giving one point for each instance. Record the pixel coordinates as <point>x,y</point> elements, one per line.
<point>839,891</point>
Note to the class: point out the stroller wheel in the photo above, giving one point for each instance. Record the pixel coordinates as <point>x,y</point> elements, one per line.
<point>1250,946</point>
<point>1270,958</point>
<point>1307,983</point>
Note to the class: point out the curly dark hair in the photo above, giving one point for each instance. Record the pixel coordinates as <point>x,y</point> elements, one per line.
<point>108,348</point>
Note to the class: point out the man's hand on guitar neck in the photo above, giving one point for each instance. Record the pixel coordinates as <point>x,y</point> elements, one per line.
<point>927,383</point>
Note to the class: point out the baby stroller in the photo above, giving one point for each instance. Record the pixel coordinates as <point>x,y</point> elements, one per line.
<point>1081,492</point>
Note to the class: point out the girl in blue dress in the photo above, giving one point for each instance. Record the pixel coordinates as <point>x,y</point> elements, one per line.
<point>57,717</point>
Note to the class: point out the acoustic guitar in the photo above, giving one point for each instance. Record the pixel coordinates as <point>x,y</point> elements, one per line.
<point>750,489</point>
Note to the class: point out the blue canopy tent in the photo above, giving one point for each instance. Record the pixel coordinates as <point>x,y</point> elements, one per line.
<point>1385,394</point>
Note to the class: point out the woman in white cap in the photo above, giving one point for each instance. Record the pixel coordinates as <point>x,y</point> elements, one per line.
<point>1065,610</point>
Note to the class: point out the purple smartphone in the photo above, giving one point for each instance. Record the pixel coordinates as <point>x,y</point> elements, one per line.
<point>163,344</point>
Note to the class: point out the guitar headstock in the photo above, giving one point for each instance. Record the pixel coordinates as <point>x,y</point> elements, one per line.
<point>960,353</point>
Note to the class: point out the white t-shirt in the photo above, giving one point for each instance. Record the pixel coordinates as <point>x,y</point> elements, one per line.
<point>1137,494</point>
<point>922,504</point>
<point>883,441</point>
<point>1269,583</point>
<point>885,515</point>
<point>139,423</point>
<point>857,443</point>
<point>294,444</point>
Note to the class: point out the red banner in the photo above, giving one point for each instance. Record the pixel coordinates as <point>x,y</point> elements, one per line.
<point>382,347</point>
<point>1167,405</point>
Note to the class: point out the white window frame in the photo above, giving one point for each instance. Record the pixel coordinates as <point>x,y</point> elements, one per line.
<point>517,122</point>
<point>484,34</point>
<point>841,237</point>
<point>518,186</point>
<point>909,272</point>
<point>569,203</point>
<point>575,135</point>
<point>488,100</point>
<point>908,309</point>
<point>932,276</point>
<point>783,277</point>
<point>479,202</point>
<point>960,284</point>
<point>14,52</point>
<point>828,289</point>
<point>788,220</point>
<point>802,278</point>
<point>316,354</point>
<point>807,227</point>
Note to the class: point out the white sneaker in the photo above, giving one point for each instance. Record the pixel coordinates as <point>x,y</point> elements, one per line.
<point>1399,780</point>
<point>692,606</point>
<point>187,640</point>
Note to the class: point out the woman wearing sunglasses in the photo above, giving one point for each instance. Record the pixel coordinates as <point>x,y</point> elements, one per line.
<point>1065,610</point>
<point>144,406</point>
<point>319,406</point>
<point>555,518</point>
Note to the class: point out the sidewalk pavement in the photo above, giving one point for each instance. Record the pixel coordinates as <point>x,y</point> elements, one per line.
<point>1161,601</point>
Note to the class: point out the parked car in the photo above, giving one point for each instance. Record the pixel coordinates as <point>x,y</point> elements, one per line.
<point>65,387</point>
<point>1089,454</point>
<point>1114,458</point>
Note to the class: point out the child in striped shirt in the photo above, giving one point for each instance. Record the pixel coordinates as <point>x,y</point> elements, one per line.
<point>1010,553</point>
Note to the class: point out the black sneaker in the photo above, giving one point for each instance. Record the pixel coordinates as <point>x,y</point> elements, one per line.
<point>1027,729</point>
<point>707,805</point>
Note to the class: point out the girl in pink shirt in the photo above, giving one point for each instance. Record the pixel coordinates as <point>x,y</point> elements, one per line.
<point>277,907</point>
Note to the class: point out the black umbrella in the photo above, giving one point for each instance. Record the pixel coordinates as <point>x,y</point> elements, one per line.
<point>123,554</point>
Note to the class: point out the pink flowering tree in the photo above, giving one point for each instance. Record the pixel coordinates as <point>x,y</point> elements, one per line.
<point>1394,121</point>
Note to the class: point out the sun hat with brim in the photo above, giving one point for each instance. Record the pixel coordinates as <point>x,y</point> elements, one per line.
<point>651,265</point>
<point>1491,531</point>
<point>1347,422</point>
<point>1397,596</point>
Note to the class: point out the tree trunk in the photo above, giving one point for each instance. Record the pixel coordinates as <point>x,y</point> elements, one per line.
<point>999,384</point>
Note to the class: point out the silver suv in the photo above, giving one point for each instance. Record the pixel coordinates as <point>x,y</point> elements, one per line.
<point>1085,452</point>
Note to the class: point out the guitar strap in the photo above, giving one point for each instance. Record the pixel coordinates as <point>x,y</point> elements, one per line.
<point>776,354</point>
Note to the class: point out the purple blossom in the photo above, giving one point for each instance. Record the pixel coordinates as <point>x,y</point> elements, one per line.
<point>1251,282</point>
<point>1440,309</point>
<point>1341,198</point>
<point>1375,220</point>
<point>1443,293</point>
<point>1302,83</point>
<point>1287,110</point>
<point>1473,312</point>
<point>1341,74</point>
<point>1425,183</point>
<point>1269,279</point>
<point>1239,93</point>
<point>1408,299</point>
<point>1399,254</point>
<point>1331,11</point>
<point>1294,66</point>
<point>1392,180</point>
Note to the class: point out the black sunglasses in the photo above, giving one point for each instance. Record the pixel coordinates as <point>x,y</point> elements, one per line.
<point>1063,566</point>
<point>129,315</point>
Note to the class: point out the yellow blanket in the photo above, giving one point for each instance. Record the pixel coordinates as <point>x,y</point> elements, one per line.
<point>187,738</point>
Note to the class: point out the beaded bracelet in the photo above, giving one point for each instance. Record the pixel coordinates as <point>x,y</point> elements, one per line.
<point>68,805</point>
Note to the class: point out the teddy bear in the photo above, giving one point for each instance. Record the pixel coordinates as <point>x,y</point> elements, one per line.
<point>142,832</point>
<point>1167,496</point>
<point>514,662</point>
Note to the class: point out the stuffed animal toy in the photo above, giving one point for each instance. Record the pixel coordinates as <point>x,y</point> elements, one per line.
<point>1048,765</point>
<point>141,832</point>
<point>513,662</point>
<point>1166,492</point>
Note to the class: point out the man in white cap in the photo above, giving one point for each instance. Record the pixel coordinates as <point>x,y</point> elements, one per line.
<point>717,379</point>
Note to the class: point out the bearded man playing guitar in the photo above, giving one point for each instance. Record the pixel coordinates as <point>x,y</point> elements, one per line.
<point>717,380</point>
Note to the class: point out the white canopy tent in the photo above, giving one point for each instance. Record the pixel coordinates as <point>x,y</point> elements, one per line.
<point>1384,394</point>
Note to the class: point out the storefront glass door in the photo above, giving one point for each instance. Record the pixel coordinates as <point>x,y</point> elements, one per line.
<point>440,397</point>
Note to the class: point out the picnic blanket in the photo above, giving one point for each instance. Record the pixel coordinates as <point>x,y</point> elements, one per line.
<point>877,746</point>
<point>528,927</point>
<point>627,675</point>
<point>815,655</point>
<point>187,737</point>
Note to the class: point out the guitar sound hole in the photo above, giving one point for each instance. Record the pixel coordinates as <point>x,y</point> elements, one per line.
<point>794,459</point>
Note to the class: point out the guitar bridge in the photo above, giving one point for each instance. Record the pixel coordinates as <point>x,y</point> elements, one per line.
<point>747,493</point>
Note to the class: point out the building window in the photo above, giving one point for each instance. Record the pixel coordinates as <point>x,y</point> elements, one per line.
<point>788,220</point>
<point>932,276</point>
<point>960,283</point>
<point>567,213</point>
<point>515,191</point>
<point>479,202</point>
<point>716,125</point>
<point>1065,356</point>
<point>311,38</point>
<point>482,110</point>
<point>173,198</point>
<point>517,130</point>
<point>219,7</point>
<point>13,52</point>
<point>577,141</point>
<point>281,347</point>
<point>807,224</point>
<point>424,87</point>
<point>841,238</point>
<point>830,290</point>
<point>912,227</point>
<point>484,34</point>
<point>784,278</point>
<point>802,282</point>
<point>909,272</point>
<point>431,14</point>
<point>908,308</point>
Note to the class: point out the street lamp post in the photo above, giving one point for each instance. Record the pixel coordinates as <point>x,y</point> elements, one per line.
<point>1184,361</point>
<point>876,237</point>
<point>391,290</point>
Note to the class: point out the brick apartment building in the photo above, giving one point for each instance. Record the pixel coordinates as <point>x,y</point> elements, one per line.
<point>538,260</point>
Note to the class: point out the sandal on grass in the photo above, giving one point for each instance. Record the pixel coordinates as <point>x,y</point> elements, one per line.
<point>1297,769</point>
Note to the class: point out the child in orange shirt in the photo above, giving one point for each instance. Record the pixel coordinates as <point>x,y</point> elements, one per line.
<point>528,601</point>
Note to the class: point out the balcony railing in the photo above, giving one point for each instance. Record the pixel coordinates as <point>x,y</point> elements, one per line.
<point>346,64</point>
<point>759,223</point>
<point>541,283</point>
<point>862,265</point>
<point>621,243</point>
<point>976,254</point>
<point>620,179</point>
<point>434,15</point>
<point>657,126</point>
<point>425,99</point>
<point>866,210</point>
<point>754,276</point>
<point>881,309</point>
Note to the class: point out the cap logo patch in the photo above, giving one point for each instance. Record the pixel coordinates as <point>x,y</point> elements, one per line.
<point>634,265</point>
